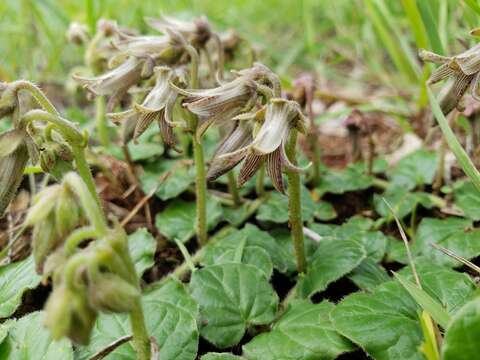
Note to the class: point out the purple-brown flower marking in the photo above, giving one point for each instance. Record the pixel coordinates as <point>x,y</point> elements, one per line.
<point>463,68</point>
<point>158,105</point>
<point>268,146</point>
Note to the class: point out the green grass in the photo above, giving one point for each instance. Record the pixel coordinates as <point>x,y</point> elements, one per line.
<point>379,36</point>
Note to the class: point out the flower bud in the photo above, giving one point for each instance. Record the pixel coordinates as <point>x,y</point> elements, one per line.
<point>110,293</point>
<point>44,240</point>
<point>8,100</point>
<point>47,158</point>
<point>68,214</point>
<point>58,312</point>
<point>83,319</point>
<point>69,314</point>
<point>11,174</point>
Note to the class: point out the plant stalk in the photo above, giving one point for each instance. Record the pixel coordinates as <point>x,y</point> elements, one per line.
<point>141,340</point>
<point>84,171</point>
<point>201,190</point>
<point>233,189</point>
<point>295,206</point>
<point>260,185</point>
<point>101,121</point>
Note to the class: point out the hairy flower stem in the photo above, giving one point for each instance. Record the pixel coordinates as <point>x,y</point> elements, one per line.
<point>201,190</point>
<point>295,206</point>
<point>101,121</point>
<point>201,176</point>
<point>141,341</point>
<point>233,189</point>
<point>84,171</point>
<point>260,185</point>
<point>37,94</point>
<point>315,148</point>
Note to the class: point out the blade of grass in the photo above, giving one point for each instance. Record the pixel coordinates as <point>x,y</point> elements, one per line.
<point>452,141</point>
<point>389,41</point>
<point>90,10</point>
<point>429,346</point>
<point>473,4</point>
<point>431,27</point>
<point>459,258</point>
<point>416,23</point>
<point>426,302</point>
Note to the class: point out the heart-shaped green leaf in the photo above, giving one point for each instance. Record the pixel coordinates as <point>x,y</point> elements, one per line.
<point>258,249</point>
<point>29,339</point>
<point>15,279</point>
<point>333,259</point>
<point>142,248</point>
<point>232,297</point>
<point>177,221</point>
<point>385,323</point>
<point>461,337</point>
<point>304,332</point>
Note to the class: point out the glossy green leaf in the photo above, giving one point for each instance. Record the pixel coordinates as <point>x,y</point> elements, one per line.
<point>385,323</point>
<point>353,178</point>
<point>224,248</point>
<point>275,209</point>
<point>324,211</point>
<point>357,228</point>
<point>426,302</point>
<point>181,177</point>
<point>178,218</point>
<point>369,275</point>
<point>461,338</point>
<point>29,339</point>
<point>232,297</point>
<point>304,332</point>
<point>333,259</point>
<point>455,234</point>
<point>401,200</point>
<point>15,279</point>
<point>220,356</point>
<point>142,246</point>
<point>170,315</point>
<point>149,146</point>
<point>467,198</point>
<point>415,169</point>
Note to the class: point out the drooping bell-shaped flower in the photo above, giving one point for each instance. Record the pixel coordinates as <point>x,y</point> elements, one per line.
<point>238,138</point>
<point>221,104</point>
<point>158,105</point>
<point>269,143</point>
<point>116,80</point>
<point>197,32</point>
<point>463,68</point>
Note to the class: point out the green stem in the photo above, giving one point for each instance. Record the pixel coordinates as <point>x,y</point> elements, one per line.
<point>70,133</point>
<point>201,190</point>
<point>89,5</point>
<point>141,340</point>
<point>36,93</point>
<point>295,206</point>
<point>315,148</point>
<point>86,191</point>
<point>233,189</point>
<point>101,121</point>
<point>260,185</point>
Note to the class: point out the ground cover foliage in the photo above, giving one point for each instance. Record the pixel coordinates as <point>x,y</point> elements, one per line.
<point>173,190</point>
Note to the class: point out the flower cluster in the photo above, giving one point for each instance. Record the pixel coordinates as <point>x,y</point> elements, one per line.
<point>166,66</point>
<point>463,68</point>
<point>89,264</point>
